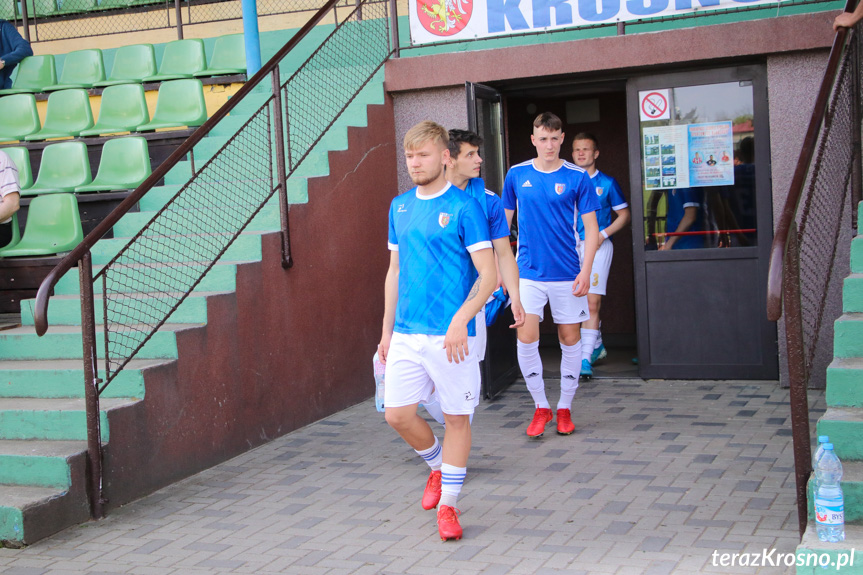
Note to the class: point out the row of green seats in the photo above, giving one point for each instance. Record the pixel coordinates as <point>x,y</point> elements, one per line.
<point>11,9</point>
<point>180,104</point>
<point>136,63</point>
<point>53,227</point>
<point>65,167</point>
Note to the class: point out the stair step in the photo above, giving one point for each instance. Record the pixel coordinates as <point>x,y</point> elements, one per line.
<point>268,219</point>
<point>28,514</point>
<point>38,463</point>
<point>65,342</point>
<point>157,197</point>
<point>57,419</point>
<point>54,378</point>
<point>852,294</point>
<point>837,556</point>
<point>857,255</point>
<point>247,248</point>
<point>844,426</point>
<point>848,335</point>
<point>137,308</point>
<point>845,382</point>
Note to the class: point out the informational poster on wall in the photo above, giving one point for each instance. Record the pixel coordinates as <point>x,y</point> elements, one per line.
<point>442,20</point>
<point>687,156</point>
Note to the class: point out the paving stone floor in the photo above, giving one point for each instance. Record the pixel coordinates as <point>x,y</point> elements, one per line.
<point>658,475</point>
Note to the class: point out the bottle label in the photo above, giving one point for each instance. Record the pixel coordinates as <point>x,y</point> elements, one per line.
<point>829,511</point>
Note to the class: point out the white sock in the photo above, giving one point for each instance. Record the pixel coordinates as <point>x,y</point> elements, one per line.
<point>434,408</point>
<point>433,455</point>
<point>588,339</point>
<point>570,368</point>
<point>452,478</point>
<point>531,369</point>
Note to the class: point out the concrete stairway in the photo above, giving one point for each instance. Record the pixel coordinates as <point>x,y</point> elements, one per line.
<point>42,416</point>
<point>843,423</point>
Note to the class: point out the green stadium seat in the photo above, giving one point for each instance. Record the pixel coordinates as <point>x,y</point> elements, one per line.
<point>64,167</point>
<point>67,114</point>
<point>53,227</point>
<point>77,6</point>
<point>21,159</point>
<point>125,164</point>
<point>18,117</point>
<point>81,69</point>
<point>131,64</point>
<point>181,59</point>
<point>39,8</point>
<point>16,235</point>
<point>34,73</point>
<point>229,57</point>
<point>123,109</point>
<point>181,103</point>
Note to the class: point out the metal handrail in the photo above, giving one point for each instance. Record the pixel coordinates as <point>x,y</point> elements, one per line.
<point>783,279</point>
<point>275,139</point>
<point>105,226</point>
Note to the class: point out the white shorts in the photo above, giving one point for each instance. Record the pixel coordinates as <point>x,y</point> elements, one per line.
<point>565,307</point>
<point>601,265</point>
<point>417,365</point>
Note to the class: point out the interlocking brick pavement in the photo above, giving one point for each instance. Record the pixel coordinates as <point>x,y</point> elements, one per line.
<point>658,475</point>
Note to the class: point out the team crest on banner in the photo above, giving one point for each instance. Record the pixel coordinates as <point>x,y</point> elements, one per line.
<point>559,188</point>
<point>443,219</point>
<point>444,17</point>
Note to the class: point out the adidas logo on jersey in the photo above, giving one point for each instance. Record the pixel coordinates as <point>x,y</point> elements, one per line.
<point>526,184</point>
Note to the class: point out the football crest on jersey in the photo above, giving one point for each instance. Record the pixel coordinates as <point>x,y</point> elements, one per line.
<point>598,191</point>
<point>443,219</point>
<point>559,188</point>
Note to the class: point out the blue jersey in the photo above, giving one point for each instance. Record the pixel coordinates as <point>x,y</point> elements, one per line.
<point>677,202</point>
<point>610,200</point>
<point>547,204</point>
<point>434,236</point>
<point>496,216</point>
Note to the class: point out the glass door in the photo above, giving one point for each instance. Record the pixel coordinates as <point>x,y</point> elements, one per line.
<point>703,226</point>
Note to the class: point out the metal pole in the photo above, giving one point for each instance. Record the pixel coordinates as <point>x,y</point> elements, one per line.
<point>251,37</point>
<point>621,28</point>
<point>179,19</point>
<point>856,148</point>
<point>91,385</point>
<point>797,375</point>
<point>394,26</point>
<point>281,171</point>
<point>25,20</point>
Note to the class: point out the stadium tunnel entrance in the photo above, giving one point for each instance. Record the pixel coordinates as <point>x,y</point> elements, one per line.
<point>690,150</point>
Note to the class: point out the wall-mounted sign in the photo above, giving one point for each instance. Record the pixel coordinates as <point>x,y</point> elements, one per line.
<point>438,20</point>
<point>653,105</point>
<point>688,156</point>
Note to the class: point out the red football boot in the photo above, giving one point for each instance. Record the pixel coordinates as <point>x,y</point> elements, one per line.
<point>541,418</point>
<point>447,523</point>
<point>564,422</point>
<point>431,495</point>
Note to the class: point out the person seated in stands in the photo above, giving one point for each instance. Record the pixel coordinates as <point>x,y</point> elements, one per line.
<point>10,195</point>
<point>13,49</point>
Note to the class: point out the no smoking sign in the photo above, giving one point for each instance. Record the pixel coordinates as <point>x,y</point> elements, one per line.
<point>653,105</point>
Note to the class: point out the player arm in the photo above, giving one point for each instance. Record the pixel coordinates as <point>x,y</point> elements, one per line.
<point>621,221</point>
<point>690,213</point>
<point>391,298</point>
<point>509,216</point>
<point>455,341</point>
<point>509,272</point>
<point>591,242</point>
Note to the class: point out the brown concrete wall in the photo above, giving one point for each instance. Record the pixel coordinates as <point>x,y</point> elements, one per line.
<point>286,349</point>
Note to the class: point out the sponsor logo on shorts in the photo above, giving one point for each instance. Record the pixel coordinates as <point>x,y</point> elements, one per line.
<point>468,396</point>
<point>559,188</point>
<point>582,314</point>
<point>443,219</point>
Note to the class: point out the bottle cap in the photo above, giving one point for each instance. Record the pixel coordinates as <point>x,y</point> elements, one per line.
<point>828,447</point>
<point>823,439</point>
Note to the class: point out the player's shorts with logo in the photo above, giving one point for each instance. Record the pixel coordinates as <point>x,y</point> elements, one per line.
<point>601,265</point>
<point>565,307</point>
<point>417,365</point>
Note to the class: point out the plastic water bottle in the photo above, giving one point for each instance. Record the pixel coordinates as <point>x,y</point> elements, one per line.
<point>829,501</point>
<point>822,439</point>
<point>380,369</point>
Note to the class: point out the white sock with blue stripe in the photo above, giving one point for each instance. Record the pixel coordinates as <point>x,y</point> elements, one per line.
<point>433,455</point>
<point>452,478</point>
